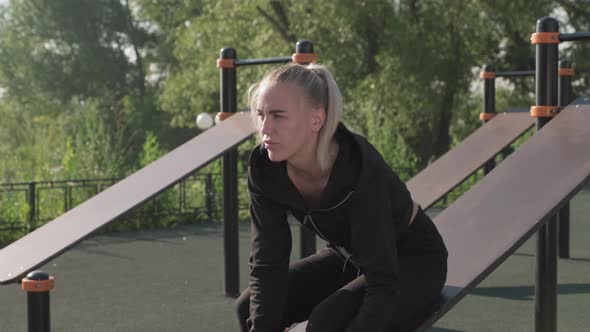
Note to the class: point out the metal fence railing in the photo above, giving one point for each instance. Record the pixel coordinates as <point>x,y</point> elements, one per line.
<point>25,206</point>
<point>198,198</point>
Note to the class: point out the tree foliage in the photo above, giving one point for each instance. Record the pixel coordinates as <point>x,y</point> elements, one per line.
<point>101,86</point>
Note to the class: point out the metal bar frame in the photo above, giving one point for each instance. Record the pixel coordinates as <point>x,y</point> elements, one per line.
<point>489,99</point>
<point>576,36</point>
<point>516,73</point>
<point>38,305</point>
<point>489,107</point>
<point>228,101</point>
<point>546,269</point>
<point>564,97</point>
<point>262,61</point>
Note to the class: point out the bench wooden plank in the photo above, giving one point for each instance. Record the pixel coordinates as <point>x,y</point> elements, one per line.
<point>499,213</point>
<point>57,236</point>
<point>447,172</point>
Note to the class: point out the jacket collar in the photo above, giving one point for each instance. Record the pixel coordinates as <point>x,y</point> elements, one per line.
<point>351,170</point>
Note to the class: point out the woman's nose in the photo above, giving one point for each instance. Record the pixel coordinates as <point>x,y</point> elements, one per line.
<point>265,126</point>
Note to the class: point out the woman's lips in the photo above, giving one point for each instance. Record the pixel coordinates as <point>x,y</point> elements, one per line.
<point>269,144</point>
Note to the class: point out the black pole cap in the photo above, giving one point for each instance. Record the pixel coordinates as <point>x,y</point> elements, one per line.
<point>304,46</point>
<point>547,24</point>
<point>38,275</point>
<point>488,72</point>
<point>227,53</point>
<point>565,64</point>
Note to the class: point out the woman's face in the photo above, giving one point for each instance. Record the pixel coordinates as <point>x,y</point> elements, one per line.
<point>286,122</point>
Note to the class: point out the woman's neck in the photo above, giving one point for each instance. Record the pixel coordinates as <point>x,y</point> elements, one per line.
<point>306,166</point>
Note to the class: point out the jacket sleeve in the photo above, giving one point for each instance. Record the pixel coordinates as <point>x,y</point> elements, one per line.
<point>374,217</point>
<point>269,262</point>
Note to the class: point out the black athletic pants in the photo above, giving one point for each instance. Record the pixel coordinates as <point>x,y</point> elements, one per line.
<point>321,292</point>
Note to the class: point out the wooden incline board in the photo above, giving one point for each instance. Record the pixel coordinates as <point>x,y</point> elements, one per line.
<point>55,237</point>
<point>498,214</point>
<point>447,172</point>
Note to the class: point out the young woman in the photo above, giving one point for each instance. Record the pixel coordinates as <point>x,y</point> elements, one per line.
<point>385,261</point>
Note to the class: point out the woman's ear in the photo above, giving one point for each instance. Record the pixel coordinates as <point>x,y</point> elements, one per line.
<point>318,118</point>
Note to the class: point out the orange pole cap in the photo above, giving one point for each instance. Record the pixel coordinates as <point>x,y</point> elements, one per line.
<point>487,75</point>
<point>225,63</point>
<point>566,72</point>
<point>486,116</point>
<point>544,111</point>
<point>224,115</point>
<point>545,38</point>
<point>304,57</point>
<point>30,285</point>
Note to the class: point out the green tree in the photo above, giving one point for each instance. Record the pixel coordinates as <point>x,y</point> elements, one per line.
<point>408,69</point>
<point>71,48</point>
<point>59,56</point>
<point>404,66</point>
<point>578,19</point>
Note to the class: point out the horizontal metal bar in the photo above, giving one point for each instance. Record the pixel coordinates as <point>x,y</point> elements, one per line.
<point>517,73</point>
<point>574,36</point>
<point>518,110</point>
<point>56,182</point>
<point>71,183</point>
<point>262,61</point>
<point>14,190</point>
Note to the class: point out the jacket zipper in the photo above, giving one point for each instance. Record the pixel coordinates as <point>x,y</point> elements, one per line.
<point>307,215</point>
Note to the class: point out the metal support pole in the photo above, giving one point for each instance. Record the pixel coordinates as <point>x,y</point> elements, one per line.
<point>37,284</point>
<point>32,206</point>
<point>67,196</point>
<point>564,231</point>
<point>209,199</point>
<point>181,195</point>
<point>307,239</point>
<point>564,97</point>
<point>489,105</point>
<point>228,101</point>
<point>546,273</point>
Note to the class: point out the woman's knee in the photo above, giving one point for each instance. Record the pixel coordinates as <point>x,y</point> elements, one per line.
<point>322,319</point>
<point>334,313</point>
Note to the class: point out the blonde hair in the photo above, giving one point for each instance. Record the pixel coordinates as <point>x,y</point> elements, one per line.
<point>319,86</point>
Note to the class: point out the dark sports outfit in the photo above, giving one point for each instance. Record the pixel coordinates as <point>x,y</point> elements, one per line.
<point>378,272</point>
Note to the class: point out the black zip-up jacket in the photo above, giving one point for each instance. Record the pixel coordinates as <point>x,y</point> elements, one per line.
<point>365,209</point>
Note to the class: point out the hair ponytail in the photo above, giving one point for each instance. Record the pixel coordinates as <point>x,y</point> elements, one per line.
<point>333,107</point>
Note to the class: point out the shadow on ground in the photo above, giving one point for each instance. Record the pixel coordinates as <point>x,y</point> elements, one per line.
<point>441,329</point>
<point>527,293</point>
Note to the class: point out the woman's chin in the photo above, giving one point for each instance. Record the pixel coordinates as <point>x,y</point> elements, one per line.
<point>275,157</point>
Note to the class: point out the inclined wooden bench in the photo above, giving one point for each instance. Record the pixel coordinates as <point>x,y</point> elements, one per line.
<point>55,237</point>
<point>493,219</point>
<point>448,171</point>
